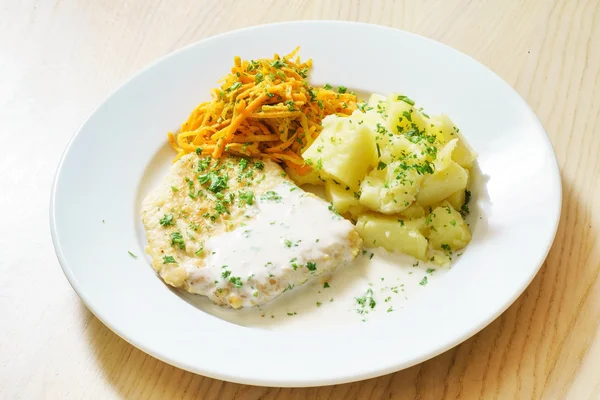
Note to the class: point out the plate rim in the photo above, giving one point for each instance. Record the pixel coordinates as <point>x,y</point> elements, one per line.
<point>68,272</point>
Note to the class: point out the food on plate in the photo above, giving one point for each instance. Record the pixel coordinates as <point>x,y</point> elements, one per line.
<point>398,173</point>
<point>264,108</point>
<point>228,223</point>
<point>240,232</point>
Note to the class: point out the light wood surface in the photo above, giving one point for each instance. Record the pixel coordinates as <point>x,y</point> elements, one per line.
<point>60,59</point>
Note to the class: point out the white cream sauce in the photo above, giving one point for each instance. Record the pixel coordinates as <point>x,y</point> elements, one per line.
<point>314,306</point>
<point>291,237</point>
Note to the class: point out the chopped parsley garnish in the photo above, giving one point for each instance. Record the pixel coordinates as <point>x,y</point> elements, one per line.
<point>446,247</point>
<point>237,281</point>
<point>243,164</point>
<point>278,64</point>
<point>220,207</point>
<point>425,168</point>
<point>217,182</point>
<point>311,266</point>
<point>291,314</point>
<point>381,165</point>
<point>271,195</point>
<point>367,299</point>
<point>131,254</point>
<point>328,86</point>
<point>203,165</point>
<point>378,150</point>
<point>430,270</point>
<point>363,107</point>
<point>390,309</point>
<point>167,220</point>
<point>288,243</point>
<point>342,89</point>
<point>169,260</point>
<point>333,210</point>
<point>406,100</point>
<point>225,274</point>
<point>423,281</point>
<point>199,251</point>
<point>235,86</point>
<point>320,103</point>
<point>453,222</point>
<point>290,105</point>
<point>173,188</point>
<point>259,165</point>
<point>326,285</point>
<point>177,239</point>
<point>428,219</point>
<point>318,304</point>
<point>464,210</point>
<point>380,129</point>
<point>245,198</point>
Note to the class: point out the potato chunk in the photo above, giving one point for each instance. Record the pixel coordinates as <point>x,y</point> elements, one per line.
<point>345,151</point>
<point>312,178</point>
<point>448,230</point>
<point>463,154</point>
<point>389,189</point>
<point>393,234</point>
<point>441,184</point>
<point>402,116</point>
<point>343,200</point>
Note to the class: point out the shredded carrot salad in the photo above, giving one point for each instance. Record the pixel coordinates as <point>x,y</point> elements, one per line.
<point>264,108</point>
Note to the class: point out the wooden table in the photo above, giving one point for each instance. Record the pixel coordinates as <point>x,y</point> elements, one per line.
<point>59,59</point>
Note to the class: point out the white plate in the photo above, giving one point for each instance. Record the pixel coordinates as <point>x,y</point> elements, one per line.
<point>121,150</point>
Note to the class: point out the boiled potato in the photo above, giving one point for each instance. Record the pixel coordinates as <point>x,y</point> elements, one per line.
<point>441,184</point>
<point>345,151</point>
<point>444,156</point>
<point>457,199</point>
<point>402,116</point>
<point>448,230</point>
<point>356,211</point>
<point>389,189</point>
<point>393,234</point>
<point>398,147</point>
<point>396,173</point>
<point>341,196</point>
<point>415,210</point>
<point>370,120</point>
<point>463,154</point>
<point>312,178</point>
<point>377,100</point>
<point>439,257</point>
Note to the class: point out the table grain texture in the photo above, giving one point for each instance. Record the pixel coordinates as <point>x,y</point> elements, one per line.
<point>60,58</point>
